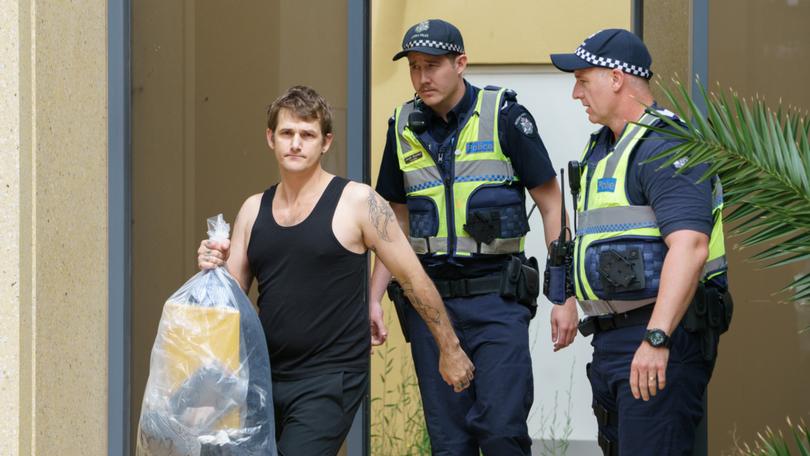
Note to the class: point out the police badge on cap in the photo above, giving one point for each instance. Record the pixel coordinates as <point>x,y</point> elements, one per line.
<point>434,37</point>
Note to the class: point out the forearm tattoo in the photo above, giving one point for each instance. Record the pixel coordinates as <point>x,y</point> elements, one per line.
<point>429,313</point>
<point>380,214</point>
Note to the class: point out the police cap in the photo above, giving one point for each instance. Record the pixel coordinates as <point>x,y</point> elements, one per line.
<point>611,48</point>
<point>434,37</point>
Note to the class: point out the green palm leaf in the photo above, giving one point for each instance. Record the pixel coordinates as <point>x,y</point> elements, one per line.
<point>763,159</point>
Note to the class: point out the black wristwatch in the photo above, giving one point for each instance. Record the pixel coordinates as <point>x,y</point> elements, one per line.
<point>657,338</point>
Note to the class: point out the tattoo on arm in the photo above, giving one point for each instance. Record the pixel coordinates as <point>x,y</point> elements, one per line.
<point>380,214</point>
<point>429,313</point>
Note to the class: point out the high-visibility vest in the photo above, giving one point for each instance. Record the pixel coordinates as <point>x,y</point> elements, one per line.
<point>479,165</point>
<point>608,221</point>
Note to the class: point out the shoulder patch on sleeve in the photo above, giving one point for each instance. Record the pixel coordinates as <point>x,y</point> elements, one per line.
<point>525,124</point>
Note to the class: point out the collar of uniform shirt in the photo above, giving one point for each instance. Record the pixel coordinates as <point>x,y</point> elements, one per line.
<point>459,110</point>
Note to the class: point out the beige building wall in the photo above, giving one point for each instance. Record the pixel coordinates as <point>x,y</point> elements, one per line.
<point>667,34</point>
<point>747,41</point>
<point>762,376</point>
<point>53,191</point>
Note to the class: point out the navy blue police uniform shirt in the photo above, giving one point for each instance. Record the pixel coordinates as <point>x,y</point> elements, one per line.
<point>679,201</point>
<point>520,141</point>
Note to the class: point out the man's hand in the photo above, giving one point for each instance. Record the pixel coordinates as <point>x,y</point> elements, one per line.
<point>648,372</point>
<point>212,254</point>
<point>379,333</point>
<point>456,368</point>
<point>564,320</point>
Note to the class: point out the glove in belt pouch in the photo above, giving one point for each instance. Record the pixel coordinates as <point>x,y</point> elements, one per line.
<point>521,282</point>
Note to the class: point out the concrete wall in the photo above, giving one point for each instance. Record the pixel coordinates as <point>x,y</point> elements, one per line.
<point>53,191</point>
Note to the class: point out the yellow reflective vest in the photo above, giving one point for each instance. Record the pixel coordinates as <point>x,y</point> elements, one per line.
<point>447,201</point>
<point>608,221</point>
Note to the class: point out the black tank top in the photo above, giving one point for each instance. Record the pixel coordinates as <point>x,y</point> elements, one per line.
<point>311,300</point>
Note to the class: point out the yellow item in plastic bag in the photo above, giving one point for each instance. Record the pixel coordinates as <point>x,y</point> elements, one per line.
<point>195,334</point>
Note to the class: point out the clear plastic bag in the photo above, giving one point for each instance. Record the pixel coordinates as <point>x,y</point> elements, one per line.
<point>209,391</point>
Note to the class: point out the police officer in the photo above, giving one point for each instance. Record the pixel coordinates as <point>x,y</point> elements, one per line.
<point>456,164</point>
<point>648,251</point>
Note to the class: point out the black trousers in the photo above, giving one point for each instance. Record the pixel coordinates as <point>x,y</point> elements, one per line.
<point>314,414</point>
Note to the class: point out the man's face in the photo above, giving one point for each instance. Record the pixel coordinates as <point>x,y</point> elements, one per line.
<point>435,78</point>
<point>298,144</point>
<point>594,88</point>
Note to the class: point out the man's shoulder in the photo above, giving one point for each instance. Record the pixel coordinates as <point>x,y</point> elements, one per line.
<point>249,212</point>
<point>357,193</point>
<point>252,203</point>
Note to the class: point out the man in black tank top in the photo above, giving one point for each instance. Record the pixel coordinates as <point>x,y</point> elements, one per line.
<point>305,241</point>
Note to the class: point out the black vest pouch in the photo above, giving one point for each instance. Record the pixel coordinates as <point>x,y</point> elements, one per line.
<point>484,225</point>
<point>423,217</point>
<point>496,212</point>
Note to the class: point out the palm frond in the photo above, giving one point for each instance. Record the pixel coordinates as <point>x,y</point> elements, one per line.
<point>763,159</point>
<point>772,443</point>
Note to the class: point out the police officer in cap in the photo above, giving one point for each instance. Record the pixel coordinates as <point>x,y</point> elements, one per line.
<point>457,163</point>
<point>649,260</point>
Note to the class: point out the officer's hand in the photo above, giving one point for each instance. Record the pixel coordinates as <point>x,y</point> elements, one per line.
<point>648,372</point>
<point>212,254</point>
<point>379,333</point>
<point>456,369</point>
<point>564,320</point>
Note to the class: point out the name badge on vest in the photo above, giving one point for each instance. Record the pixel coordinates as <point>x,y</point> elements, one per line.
<point>413,157</point>
<point>480,146</point>
<point>606,184</point>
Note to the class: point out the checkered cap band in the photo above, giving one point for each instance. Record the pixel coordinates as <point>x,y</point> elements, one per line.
<point>607,62</point>
<point>450,47</point>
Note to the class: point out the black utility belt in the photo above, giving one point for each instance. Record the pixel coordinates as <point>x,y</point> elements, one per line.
<point>518,280</point>
<point>592,325</point>
<point>461,288</point>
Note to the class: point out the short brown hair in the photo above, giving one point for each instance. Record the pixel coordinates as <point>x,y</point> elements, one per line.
<point>304,103</point>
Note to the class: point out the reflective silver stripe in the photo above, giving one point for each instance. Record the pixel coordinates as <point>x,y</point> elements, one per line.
<point>596,307</point>
<point>465,244</point>
<point>402,121</point>
<point>621,218</point>
<point>420,179</point>
<point>466,171</point>
<point>497,246</point>
<point>486,115</point>
<point>478,170</point>
<point>420,246</point>
<point>715,265</point>
<point>627,138</point>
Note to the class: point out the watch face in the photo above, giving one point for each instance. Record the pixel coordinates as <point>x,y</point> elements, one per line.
<point>656,338</point>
